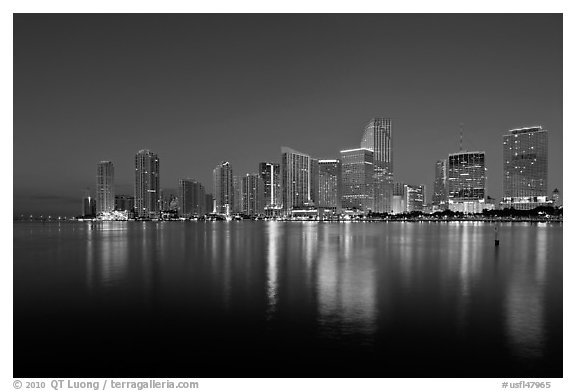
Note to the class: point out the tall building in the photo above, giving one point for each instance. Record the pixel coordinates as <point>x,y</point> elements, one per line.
<point>147,184</point>
<point>525,167</point>
<point>295,170</point>
<point>414,197</point>
<point>377,138</point>
<point>192,198</point>
<point>223,186</point>
<point>398,198</point>
<point>252,195</point>
<point>440,196</point>
<point>270,174</point>
<point>104,187</point>
<point>209,203</point>
<point>556,198</point>
<point>467,182</point>
<point>314,181</point>
<point>237,185</point>
<point>330,184</point>
<point>88,207</point>
<point>357,179</point>
<point>124,202</point>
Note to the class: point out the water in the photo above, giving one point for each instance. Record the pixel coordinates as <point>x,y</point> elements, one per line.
<point>287,299</point>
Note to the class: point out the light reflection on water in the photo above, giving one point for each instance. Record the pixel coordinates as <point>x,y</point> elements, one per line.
<point>351,285</point>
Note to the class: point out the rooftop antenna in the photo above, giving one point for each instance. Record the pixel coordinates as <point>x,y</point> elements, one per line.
<point>461,134</point>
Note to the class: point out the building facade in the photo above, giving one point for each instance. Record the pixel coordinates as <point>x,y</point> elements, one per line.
<point>252,195</point>
<point>467,181</point>
<point>414,198</point>
<point>440,196</point>
<point>147,184</point>
<point>191,197</point>
<point>295,168</point>
<point>124,203</point>
<point>223,189</point>
<point>357,179</point>
<point>525,168</point>
<point>330,184</point>
<point>377,138</point>
<point>88,207</point>
<point>270,174</point>
<point>104,187</point>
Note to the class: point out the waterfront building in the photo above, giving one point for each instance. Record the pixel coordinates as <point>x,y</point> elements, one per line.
<point>330,184</point>
<point>377,137</point>
<point>252,195</point>
<point>556,198</point>
<point>357,179</point>
<point>525,168</point>
<point>223,186</point>
<point>124,202</point>
<point>237,185</point>
<point>270,174</point>
<point>467,181</point>
<point>414,198</point>
<point>147,184</point>
<point>192,198</point>
<point>104,187</point>
<point>295,170</point>
<point>440,196</point>
<point>209,203</point>
<point>88,207</point>
<point>398,198</point>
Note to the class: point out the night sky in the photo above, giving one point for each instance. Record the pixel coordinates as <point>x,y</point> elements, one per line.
<point>200,89</point>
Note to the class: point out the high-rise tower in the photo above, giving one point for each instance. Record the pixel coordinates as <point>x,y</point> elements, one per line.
<point>270,174</point>
<point>147,184</point>
<point>525,167</point>
<point>440,196</point>
<point>223,188</point>
<point>357,179</point>
<point>104,187</point>
<point>295,170</point>
<point>377,138</point>
<point>467,181</point>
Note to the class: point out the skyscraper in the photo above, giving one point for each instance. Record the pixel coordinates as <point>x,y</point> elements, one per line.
<point>295,172</point>
<point>252,194</point>
<point>525,167</point>
<point>147,184</point>
<point>237,193</point>
<point>329,184</point>
<point>88,207</point>
<point>357,179</point>
<point>192,198</point>
<point>440,196</point>
<point>377,138</point>
<point>104,187</point>
<point>270,174</point>
<point>414,197</point>
<point>223,188</point>
<point>467,181</point>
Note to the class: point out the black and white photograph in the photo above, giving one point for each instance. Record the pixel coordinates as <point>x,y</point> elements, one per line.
<point>288,196</point>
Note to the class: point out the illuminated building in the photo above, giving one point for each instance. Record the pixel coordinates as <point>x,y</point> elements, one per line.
<point>329,184</point>
<point>377,138</point>
<point>295,170</point>
<point>104,187</point>
<point>147,184</point>
<point>270,174</point>
<point>357,179</point>
<point>525,168</point>
<point>252,195</point>
<point>223,188</point>
<point>191,198</point>
<point>440,196</point>
<point>466,182</point>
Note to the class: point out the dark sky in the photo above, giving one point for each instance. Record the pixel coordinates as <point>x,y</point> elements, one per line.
<point>199,89</point>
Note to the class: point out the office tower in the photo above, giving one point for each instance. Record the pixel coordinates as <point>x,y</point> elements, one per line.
<point>295,174</point>
<point>398,198</point>
<point>252,195</point>
<point>123,202</point>
<point>209,203</point>
<point>223,188</point>
<point>191,197</point>
<point>466,182</point>
<point>104,187</point>
<point>314,191</point>
<point>88,207</point>
<point>237,185</point>
<point>440,196</point>
<point>147,184</point>
<point>525,167</point>
<point>556,198</point>
<point>377,138</point>
<point>414,198</point>
<point>270,174</point>
<point>357,179</point>
<point>329,184</point>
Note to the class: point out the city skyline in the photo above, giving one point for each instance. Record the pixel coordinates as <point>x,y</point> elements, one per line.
<point>318,102</point>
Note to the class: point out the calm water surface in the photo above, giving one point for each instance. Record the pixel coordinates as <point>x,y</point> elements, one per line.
<point>287,299</point>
